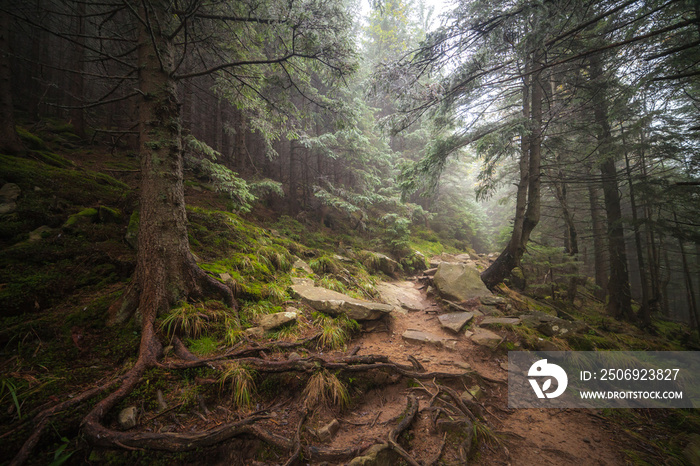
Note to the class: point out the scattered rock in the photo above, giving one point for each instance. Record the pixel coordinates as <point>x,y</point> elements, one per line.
<point>293,356</point>
<point>455,321</point>
<point>225,276</point>
<point>255,332</point>
<point>37,234</point>
<point>462,365</point>
<point>430,272</point>
<point>377,455</point>
<point>459,282</point>
<point>301,265</point>
<point>546,345</point>
<point>9,192</point>
<point>492,300</point>
<point>334,303</point>
<point>279,319</point>
<point>504,366</point>
<point>486,338</point>
<point>127,417</point>
<point>416,336</point>
<point>327,432</point>
<point>552,326</point>
<point>399,297</point>
<point>490,320</point>
<point>340,258</point>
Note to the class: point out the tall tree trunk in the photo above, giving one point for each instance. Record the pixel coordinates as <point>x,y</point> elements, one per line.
<point>527,213</point>
<point>644,315</point>
<point>293,198</point>
<point>599,251</point>
<point>77,115</point>
<point>166,272</point>
<point>619,295</point>
<point>688,279</point>
<point>9,141</point>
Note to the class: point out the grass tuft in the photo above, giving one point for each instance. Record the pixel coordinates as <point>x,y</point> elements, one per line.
<point>324,389</point>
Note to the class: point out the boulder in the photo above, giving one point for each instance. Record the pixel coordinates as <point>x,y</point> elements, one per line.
<point>459,282</point>
<point>127,417</point>
<point>334,303</point>
<point>382,263</point>
<point>455,320</point>
<point>486,338</point>
<point>9,192</point>
<point>273,321</point>
<point>399,297</point>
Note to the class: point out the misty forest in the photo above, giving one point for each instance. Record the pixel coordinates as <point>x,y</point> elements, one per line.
<point>263,232</point>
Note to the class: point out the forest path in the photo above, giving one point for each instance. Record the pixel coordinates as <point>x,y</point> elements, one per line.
<point>532,436</point>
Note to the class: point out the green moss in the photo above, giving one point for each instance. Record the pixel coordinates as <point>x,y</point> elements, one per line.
<point>89,214</point>
<point>30,140</point>
<point>203,346</point>
<point>52,159</point>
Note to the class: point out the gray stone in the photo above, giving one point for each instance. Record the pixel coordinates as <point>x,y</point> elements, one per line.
<point>383,263</point>
<point>462,365</point>
<point>37,234</point>
<point>546,345</point>
<point>7,207</point>
<point>490,320</point>
<point>486,338</point>
<point>225,276</point>
<point>459,282</point>
<point>474,393</point>
<point>334,303</point>
<point>327,432</point>
<point>455,320</point>
<point>293,356</point>
<point>492,300</point>
<point>255,332</point>
<point>381,454</point>
<point>9,192</point>
<point>416,336</point>
<point>127,417</point>
<point>399,297</point>
<point>302,281</point>
<point>273,321</point>
<point>301,265</point>
<point>340,258</point>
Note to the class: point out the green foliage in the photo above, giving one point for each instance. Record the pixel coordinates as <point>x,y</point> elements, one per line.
<point>191,320</point>
<point>324,265</point>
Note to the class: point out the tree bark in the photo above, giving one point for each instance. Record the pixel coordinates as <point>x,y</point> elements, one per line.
<point>619,295</point>
<point>599,252</point>
<point>527,214</point>
<point>9,141</point>
<point>166,272</point>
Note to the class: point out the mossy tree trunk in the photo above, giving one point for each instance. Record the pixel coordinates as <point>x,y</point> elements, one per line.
<point>166,271</point>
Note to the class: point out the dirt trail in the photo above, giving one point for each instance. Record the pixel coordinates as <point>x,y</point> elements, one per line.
<point>532,436</point>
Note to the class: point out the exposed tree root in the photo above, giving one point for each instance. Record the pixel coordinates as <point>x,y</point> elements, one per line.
<point>409,415</point>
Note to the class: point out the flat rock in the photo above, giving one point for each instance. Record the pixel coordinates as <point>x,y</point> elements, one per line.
<point>455,320</point>
<point>490,311</point>
<point>459,282</point>
<point>486,338</point>
<point>492,300</point>
<point>255,332</point>
<point>408,299</point>
<point>334,303</point>
<point>490,320</point>
<point>37,234</point>
<point>273,321</point>
<point>302,281</point>
<point>416,336</point>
